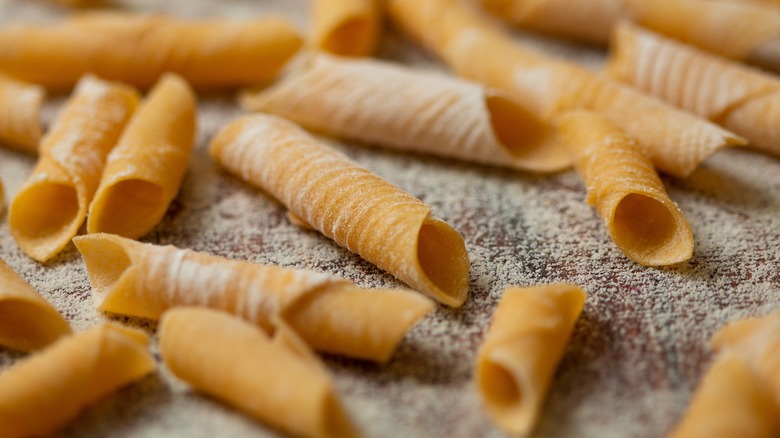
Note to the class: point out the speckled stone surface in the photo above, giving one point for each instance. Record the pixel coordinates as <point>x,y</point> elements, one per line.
<point>637,351</point>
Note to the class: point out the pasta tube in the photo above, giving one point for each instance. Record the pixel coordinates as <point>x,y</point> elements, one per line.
<point>51,206</point>
<point>348,204</point>
<point>27,320</point>
<point>237,364</point>
<point>346,27</point>
<point>391,105</point>
<point>41,394</point>
<point>143,280</point>
<point>144,171</point>
<point>742,99</point>
<point>625,189</point>
<point>518,357</point>
<point>138,49</point>
<point>20,108</point>
<point>674,140</point>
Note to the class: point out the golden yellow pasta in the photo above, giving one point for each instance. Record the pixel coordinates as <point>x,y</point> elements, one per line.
<point>626,191</point>
<point>402,108</point>
<point>675,140</point>
<point>347,203</point>
<point>43,393</point>
<point>742,99</point>
<point>144,280</point>
<point>51,206</point>
<point>20,108</point>
<point>138,49</point>
<point>239,365</point>
<point>346,27</point>
<point>518,357</point>
<point>27,321</point>
<point>144,171</point>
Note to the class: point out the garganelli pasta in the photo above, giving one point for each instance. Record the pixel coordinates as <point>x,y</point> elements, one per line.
<point>51,206</point>
<point>41,394</point>
<point>529,333</point>
<point>675,141</point>
<point>742,99</point>
<point>347,203</point>
<point>20,108</point>
<point>138,49</point>
<point>399,107</point>
<point>27,321</point>
<point>346,27</point>
<point>626,191</point>
<point>331,314</point>
<point>144,171</point>
<point>238,364</point>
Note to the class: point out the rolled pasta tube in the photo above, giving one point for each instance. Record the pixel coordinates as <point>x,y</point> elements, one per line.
<point>626,191</point>
<point>742,99</point>
<point>346,27</point>
<point>139,49</point>
<point>41,394</point>
<point>237,364</point>
<point>144,171</point>
<point>20,110</point>
<point>51,206</point>
<point>331,314</point>
<point>676,141</point>
<point>382,103</point>
<point>27,321</point>
<point>527,338</point>
<point>347,203</point>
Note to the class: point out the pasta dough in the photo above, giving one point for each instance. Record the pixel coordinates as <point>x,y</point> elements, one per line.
<point>238,364</point>
<point>27,320</point>
<point>138,49</point>
<point>742,99</point>
<point>20,108</point>
<point>626,191</point>
<point>329,313</point>
<point>43,393</point>
<point>518,357</point>
<point>346,27</point>
<point>51,206</point>
<point>144,171</point>
<point>395,106</point>
<point>348,204</point>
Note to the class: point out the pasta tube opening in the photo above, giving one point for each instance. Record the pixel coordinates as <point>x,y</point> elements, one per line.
<point>129,208</point>
<point>440,253</point>
<point>645,228</point>
<point>24,325</point>
<point>42,231</point>
<point>354,37</point>
<point>498,385</point>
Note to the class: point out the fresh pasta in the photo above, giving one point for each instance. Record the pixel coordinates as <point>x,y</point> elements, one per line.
<point>144,171</point>
<point>138,49</point>
<point>346,27</point>
<point>51,206</point>
<point>239,365</point>
<point>347,203</point>
<point>742,99</point>
<point>20,108</point>
<point>529,333</point>
<point>144,280</point>
<point>27,321</point>
<point>626,191</point>
<point>399,107</point>
<point>676,141</point>
<point>43,393</point>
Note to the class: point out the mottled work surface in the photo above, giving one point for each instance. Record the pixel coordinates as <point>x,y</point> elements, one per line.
<point>637,352</point>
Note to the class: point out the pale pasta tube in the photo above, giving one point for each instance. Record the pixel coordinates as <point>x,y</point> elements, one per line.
<point>391,105</point>
<point>27,321</point>
<point>626,191</point>
<point>138,49</point>
<point>675,140</point>
<point>529,333</point>
<point>239,365</point>
<point>742,99</point>
<point>41,394</point>
<point>144,171</point>
<point>144,280</point>
<point>346,27</point>
<point>347,203</point>
<point>20,109</point>
<point>51,206</point>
